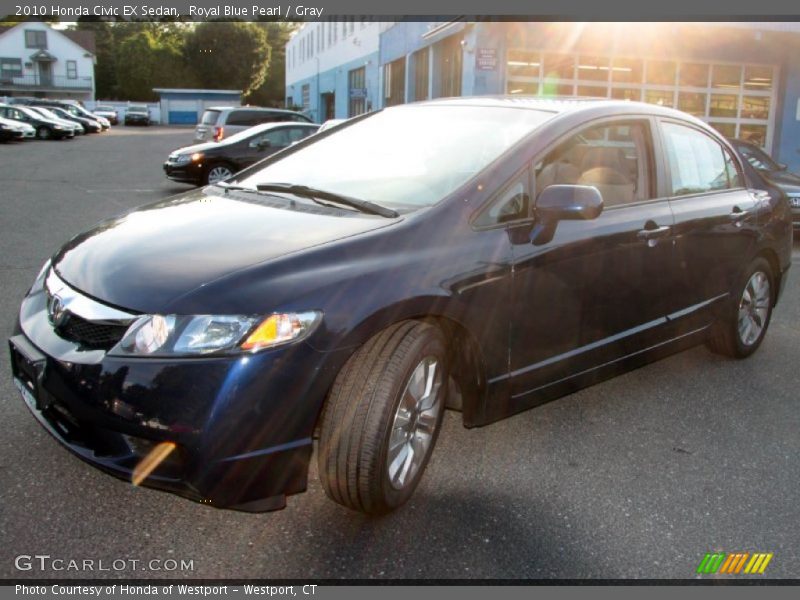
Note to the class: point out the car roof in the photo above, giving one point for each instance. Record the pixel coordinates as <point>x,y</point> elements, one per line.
<point>561,105</point>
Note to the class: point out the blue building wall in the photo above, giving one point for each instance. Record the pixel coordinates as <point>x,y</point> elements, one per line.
<point>788,126</point>
<point>336,81</point>
<point>191,117</point>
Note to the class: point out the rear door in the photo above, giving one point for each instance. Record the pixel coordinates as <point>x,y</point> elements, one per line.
<point>596,291</point>
<point>715,220</point>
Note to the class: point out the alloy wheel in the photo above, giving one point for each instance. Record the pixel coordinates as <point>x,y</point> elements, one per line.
<point>218,174</point>
<point>415,422</point>
<point>754,308</point>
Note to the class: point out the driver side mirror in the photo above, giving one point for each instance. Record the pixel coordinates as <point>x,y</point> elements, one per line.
<point>564,203</point>
<point>569,202</point>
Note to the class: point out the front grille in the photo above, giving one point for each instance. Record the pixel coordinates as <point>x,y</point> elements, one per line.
<point>90,334</point>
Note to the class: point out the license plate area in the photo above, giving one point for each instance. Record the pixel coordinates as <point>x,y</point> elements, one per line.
<point>27,367</point>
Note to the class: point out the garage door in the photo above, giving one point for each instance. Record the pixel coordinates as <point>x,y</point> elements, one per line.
<point>182,112</point>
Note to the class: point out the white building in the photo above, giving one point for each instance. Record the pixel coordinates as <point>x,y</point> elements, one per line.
<point>37,60</point>
<point>332,68</point>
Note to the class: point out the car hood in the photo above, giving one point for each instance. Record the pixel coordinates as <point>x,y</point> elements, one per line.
<point>146,259</point>
<point>198,148</point>
<point>786,180</point>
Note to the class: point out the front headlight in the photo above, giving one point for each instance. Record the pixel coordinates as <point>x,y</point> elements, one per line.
<point>182,159</point>
<point>179,335</point>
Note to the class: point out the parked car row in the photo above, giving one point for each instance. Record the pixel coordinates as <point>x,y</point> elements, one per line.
<point>47,118</point>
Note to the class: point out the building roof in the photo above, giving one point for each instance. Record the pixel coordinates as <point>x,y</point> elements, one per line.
<point>84,39</point>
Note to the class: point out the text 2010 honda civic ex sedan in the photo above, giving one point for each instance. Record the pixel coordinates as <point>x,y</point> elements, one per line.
<point>485,254</point>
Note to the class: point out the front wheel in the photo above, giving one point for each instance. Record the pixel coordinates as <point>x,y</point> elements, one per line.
<point>217,173</point>
<point>44,133</point>
<point>382,418</point>
<point>741,330</point>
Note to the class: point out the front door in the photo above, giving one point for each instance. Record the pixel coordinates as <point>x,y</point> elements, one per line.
<point>45,69</point>
<point>328,106</point>
<point>595,291</point>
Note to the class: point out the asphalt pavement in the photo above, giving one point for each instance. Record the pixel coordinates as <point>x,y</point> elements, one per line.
<point>637,477</point>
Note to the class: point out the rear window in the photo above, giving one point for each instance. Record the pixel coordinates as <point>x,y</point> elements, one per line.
<point>210,117</point>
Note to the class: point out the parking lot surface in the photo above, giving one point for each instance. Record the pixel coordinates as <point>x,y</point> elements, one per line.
<point>637,477</point>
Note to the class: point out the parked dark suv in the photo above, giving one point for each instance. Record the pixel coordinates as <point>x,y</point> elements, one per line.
<point>485,254</point>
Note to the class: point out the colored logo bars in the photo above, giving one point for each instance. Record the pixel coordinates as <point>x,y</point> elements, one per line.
<point>734,563</point>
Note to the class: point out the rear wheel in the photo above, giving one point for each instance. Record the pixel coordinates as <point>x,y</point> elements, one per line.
<point>44,133</point>
<point>741,330</point>
<point>382,418</point>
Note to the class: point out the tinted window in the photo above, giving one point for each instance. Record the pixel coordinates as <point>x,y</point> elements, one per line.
<point>298,133</point>
<point>613,157</point>
<point>243,117</point>
<point>210,117</point>
<point>697,163</point>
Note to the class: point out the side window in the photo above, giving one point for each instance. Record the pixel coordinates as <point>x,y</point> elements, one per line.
<point>277,138</point>
<point>510,204</point>
<point>242,117</point>
<point>697,162</point>
<point>298,133</point>
<point>613,157</point>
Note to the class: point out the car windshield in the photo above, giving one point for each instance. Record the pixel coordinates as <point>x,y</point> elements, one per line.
<point>137,109</point>
<point>404,157</point>
<point>757,157</point>
<point>102,107</point>
<point>48,113</point>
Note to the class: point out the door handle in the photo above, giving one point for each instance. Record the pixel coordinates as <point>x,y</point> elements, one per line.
<point>654,233</point>
<point>737,214</point>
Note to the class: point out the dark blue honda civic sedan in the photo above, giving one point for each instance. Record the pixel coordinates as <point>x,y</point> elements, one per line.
<point>484,254</point>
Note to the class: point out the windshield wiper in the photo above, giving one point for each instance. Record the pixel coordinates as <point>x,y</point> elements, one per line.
<point>314,194</point>
<point>230,186</point>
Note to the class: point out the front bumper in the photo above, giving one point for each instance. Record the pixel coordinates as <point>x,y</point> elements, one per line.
<point>242,424</point>
<point>185,173</point>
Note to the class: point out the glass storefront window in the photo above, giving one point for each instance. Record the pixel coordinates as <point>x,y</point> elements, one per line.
<point>522,63</point>
<point>693,75</point>
<point>723,105</point>
<point>626,94</point>
<point>758,79</point>
<point>549,88</point>
<point>593,68</point>
<point>693,103</point>
<point>592,91</point>
<point>755,107</point>
<point>559,66</point>
<point>727,76</point>
<point>726,129</point>
<point>660,97</point>
<point>661,72</point>
<point>522,87</point>
<point>626,70</point>
<point>756,134</point>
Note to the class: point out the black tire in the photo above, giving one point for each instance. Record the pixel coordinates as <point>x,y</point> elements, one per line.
<point>360,417</point>
<point>44,133</point>
<point>726,338</point>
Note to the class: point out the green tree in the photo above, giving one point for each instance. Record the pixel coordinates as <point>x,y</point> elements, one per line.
<point>228,55</point>
<point>143,63</point>
<point>273,91</point>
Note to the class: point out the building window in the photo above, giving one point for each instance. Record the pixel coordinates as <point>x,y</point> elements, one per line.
<point>72,69</point>
<point>35,38</point>
<point>449,66</point>
<point>394,82</point>
<point>421,74</point>
<point>736,99</point>
<point>10,68</point>
<point>306,96</point>
<point>357,88</point>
